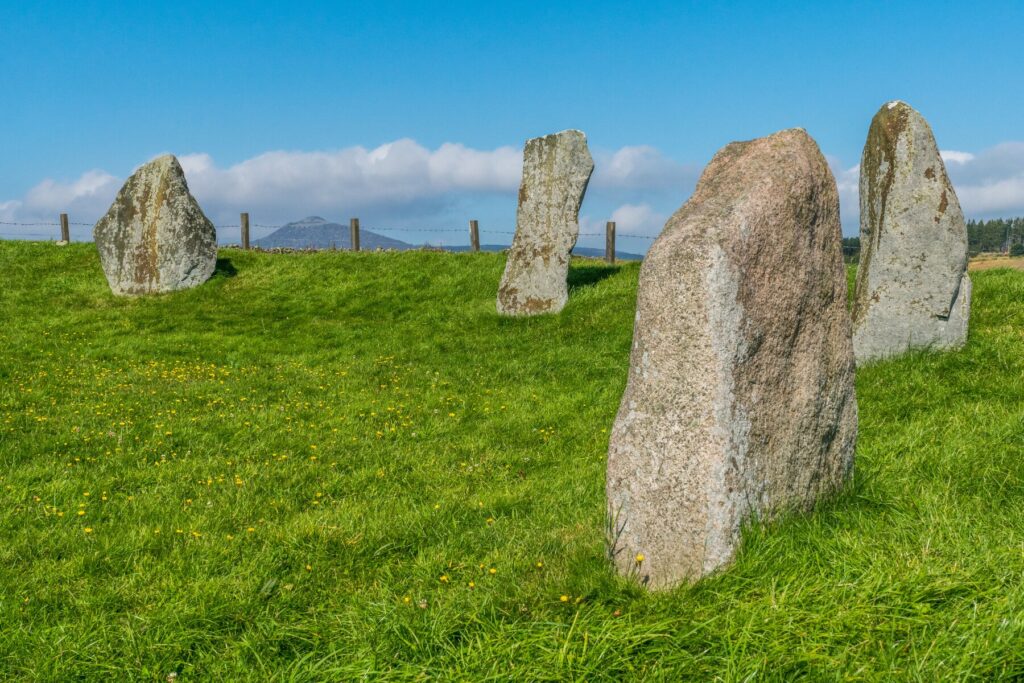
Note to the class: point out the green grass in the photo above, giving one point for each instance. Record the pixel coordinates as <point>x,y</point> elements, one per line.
<point>279,467</point>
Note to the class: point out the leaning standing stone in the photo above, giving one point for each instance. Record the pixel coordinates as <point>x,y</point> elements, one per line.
<point>913,290</point>
<point>556,170</point>
<point>740,400</point>
<point>155,238</point>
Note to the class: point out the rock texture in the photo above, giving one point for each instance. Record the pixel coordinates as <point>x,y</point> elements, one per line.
<point>155,238</point>
<point>556,170</point>
<point>740,400</point>
<point>913,290</point>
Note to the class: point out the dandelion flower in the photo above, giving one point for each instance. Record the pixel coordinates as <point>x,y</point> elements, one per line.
<point>492,570</point>
<point>88,529</point>
<point>564,598</point>
<point>639,558</point>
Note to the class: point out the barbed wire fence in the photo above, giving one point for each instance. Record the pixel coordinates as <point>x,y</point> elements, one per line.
<point>60,230</point>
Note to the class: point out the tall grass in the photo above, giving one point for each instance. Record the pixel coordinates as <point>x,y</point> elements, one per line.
<point>338,466</point>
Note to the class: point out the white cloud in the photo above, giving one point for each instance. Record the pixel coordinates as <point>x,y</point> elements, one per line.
<point>397,181</point>
<point>642,167</point>
<point>90,187</point>
<point>951,156</point>
<point>638,219</point>
<point>405,182</point>
<point>848,184</point>
<point>394,176</point>
<point>9,210</point>
<point>88,195</point>
<point>989,183</point>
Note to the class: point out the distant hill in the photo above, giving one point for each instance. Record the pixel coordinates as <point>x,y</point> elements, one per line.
<point>316,233</point>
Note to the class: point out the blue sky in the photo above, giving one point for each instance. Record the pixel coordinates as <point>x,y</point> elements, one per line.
<point>251,95</point>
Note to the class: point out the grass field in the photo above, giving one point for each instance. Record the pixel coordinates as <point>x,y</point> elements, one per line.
<point>337,466</point>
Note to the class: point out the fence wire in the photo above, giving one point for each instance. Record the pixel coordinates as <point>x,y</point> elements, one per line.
<point>849,250</point>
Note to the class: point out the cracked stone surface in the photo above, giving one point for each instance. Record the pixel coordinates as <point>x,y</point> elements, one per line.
<point>912,290</point>
<point>155,238</point>
<point>556,170</point>
<point>740,399</point>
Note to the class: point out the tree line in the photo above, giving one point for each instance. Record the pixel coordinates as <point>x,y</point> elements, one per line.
<point>998,235</point>
<point>1003,235</point>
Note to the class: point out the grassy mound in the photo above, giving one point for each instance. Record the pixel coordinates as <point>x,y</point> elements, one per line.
<point>326,466</point>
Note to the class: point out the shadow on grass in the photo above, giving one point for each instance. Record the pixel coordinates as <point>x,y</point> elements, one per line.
<point>585,276</point>
<point>224,268</point>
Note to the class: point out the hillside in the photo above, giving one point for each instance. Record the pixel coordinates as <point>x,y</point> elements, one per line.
<point>335,466</point>
<point>316,233</point>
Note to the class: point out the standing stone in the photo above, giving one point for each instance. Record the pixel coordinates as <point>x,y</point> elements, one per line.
<point>155,238</point>
<point>740,400</point>
<point>913,290</point>
<point>556,170</point>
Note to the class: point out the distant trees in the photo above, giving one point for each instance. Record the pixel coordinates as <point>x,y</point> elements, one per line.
<point>999,235</point>
<point>851,249</point>
<point>996,235</point>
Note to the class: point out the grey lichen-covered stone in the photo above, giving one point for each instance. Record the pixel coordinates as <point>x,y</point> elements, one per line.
<point>913,290</point>
<point>155,238</point>
<point>740,400</point>
<point>556,170</point>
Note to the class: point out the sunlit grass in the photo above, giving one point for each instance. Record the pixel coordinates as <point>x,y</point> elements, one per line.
<point>326,466</point>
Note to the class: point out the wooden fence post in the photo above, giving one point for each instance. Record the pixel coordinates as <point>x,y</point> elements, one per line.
<point>609,242</point>
<point>65,232</point>
<point>474,236</point>
<point>245,230</point>
<point>353,229</point>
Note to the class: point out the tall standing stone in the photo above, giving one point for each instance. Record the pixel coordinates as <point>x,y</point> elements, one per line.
<point>556,170</point>
<point>155,238</point>
<point>913,290</point>
<point>740,400</point>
